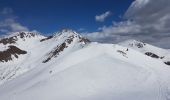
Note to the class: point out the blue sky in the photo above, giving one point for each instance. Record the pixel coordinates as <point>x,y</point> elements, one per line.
<point>48,16</point>
<point>107,21</point>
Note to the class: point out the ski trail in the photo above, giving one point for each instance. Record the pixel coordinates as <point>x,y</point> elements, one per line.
<point>162,91</point>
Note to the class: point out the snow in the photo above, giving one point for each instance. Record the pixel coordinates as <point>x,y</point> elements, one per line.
<point>147,48</point>
<point>91,71</point>
<point>3,48</point>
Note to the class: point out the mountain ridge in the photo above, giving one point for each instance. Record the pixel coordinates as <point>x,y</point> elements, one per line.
<point>68,66</point>
<point>31,44</point>
<point>149,50</point>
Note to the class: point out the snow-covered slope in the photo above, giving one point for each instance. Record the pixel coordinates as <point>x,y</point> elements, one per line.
<point>37,48</point>
<point>67,66</point>
<point>149,50</point>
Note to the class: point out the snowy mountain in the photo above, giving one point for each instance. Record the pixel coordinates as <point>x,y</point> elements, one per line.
<point>67,66</point>
<point>149,50</point>
<point>22,50</point>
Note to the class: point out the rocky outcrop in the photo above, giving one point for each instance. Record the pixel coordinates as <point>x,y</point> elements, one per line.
<point>6,55</point>
<point>14,37</point>
<point>9,40</point>
<point>55,52</point>
<point>152,55</point>
<point>68,36</point>
<point>137,44</point>
<point>47,38</point>
<point>167,63</point>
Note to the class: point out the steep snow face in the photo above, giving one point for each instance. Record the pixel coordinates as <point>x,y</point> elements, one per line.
<point>17,50</point>
<point>13,64</point>
<point>66,41</point>
<point>95,72</point>
<point>149,50</point>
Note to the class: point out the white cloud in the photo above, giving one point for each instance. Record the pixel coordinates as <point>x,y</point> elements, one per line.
<point>12,26</point>
<point>102,17</point>
<point>152,16</point>
<point>9,23</point>
<point>146,20</point>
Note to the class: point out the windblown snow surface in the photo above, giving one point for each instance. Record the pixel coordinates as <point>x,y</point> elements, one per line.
<point>84,71</point>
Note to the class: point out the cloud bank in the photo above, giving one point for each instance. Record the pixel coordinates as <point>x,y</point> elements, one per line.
<point>145,20</point>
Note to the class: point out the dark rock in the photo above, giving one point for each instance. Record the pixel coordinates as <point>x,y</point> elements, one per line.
<point>55,52</point>
<point>13,39</point>
<point>7,54</point>
<point>61,47</point>
<point>162,57</point>
<point>70,39</point>
<point>140,45</point>
<point>121,52</point>
<point>85,40</point>
<point>8,40</point>
<point>151,55</point>
<point>46,38</point>
<point>167,63</point>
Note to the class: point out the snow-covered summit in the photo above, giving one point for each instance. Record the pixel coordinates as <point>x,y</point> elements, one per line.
<point>66,35</point>
<point>66,32</point>
<point>19,36</point>
<point>38,48</point>
<point>66,40</point>
<point>147,49</point>
<point>71,34</point>
<point>133,43</point>
<point>25,34</point>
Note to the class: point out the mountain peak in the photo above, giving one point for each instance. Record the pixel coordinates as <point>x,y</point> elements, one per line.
<point>66,33</point>
<point>24,34</point>
<point>133,43</point>
<point>12,38</point>
<point>67,30</point>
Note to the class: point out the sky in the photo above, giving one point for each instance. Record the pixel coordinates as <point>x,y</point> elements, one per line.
<point>48,16</point>
<point>106,21</point>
